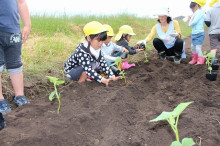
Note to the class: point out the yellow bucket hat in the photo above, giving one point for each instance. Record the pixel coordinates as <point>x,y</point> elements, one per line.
<point>213,2</point>
<point>125,29</point>
<point>200,2</point>
<point>109,29</point>
<point>93,27</point>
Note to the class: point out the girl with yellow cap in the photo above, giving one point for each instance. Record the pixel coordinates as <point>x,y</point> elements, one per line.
<point>196,21</point>
<point>110,50</point>
<point>124,36</point>
<point>88,60</point>
<point>212,20</point>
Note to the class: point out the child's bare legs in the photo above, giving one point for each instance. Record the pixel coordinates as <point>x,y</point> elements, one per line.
<point>17,82</point>
<point>83,77</point>
<point>1,96</point>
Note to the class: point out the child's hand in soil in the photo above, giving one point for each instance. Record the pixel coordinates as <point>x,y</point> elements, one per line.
<point>105,81</point>
<point>115,78</point>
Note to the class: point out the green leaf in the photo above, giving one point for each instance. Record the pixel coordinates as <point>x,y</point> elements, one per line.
<point>169,115</point>
<point>204,53</point>
<point>162,116</point>
<point>60,82</point>
<point>51,97</point>
<point>210,55</point>
<point>178,110</point>
<point>52,79</point>
<point>176,143</point>
<point>188,142</point>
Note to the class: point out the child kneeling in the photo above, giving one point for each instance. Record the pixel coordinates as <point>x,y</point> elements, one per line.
<point>110,50</point>
<point>88,59</point>
<point>123,38</point>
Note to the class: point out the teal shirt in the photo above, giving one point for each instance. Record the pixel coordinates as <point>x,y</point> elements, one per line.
<point>197,22</point>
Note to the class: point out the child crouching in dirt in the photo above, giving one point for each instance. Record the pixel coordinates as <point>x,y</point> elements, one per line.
<point>198,33</point>
<point>88,58</point>
<point>124,36</point>
<point>110,50</point>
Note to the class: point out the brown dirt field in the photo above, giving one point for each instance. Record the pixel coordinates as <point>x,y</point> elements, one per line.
<point>95,115</point>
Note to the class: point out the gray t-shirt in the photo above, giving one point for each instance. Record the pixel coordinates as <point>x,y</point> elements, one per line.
<point>9,16</point>
<point>213,16</point>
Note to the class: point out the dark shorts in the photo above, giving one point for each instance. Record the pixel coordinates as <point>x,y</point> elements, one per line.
<point>10,50</point>
<point>214,41</point>
<point>198,39</point>
<point>76,72</point>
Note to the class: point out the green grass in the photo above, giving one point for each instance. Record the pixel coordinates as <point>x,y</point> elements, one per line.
<point>54,39</point>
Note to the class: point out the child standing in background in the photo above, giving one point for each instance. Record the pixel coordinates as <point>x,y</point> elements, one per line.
<point>124,36</point>
<point>213,22</point>
<point>110,50</point>
<point>196,21</point>
<point>88,58</point>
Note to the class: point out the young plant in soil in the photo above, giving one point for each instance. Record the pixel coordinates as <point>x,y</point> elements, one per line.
<point>55,82</point>
<point>146,58</point>
<point>118,63</point>
<point>173,118</point>
<point>209,58</point>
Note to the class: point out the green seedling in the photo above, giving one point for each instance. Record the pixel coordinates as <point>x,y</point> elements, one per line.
<point>122,73</point>
<point>172,118</point>
<point>55,82</point>
<point>118,63</point>
<point>209,58</point>
<point>146,58</point>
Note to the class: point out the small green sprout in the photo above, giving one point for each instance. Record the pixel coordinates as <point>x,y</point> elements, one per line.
<point>172,118</point>
<point>146,58</point>
<point>55,82</point>
<point>122,73</point>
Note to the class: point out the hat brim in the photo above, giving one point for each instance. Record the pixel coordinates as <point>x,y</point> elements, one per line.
<point>132,34</point>
<point>118,36</point>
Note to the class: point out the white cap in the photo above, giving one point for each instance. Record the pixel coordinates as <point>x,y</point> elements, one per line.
<point>163,12</point>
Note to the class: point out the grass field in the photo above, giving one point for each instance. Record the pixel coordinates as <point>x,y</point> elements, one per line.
<point>54,39</point>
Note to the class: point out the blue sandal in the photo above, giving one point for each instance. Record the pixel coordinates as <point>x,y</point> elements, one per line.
<point>4,107</point>
<point>20,100</point>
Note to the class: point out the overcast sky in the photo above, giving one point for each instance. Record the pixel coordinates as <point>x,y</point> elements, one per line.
<point>107,7</point>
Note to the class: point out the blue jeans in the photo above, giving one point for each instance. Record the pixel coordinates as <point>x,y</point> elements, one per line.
<point>10,52</point>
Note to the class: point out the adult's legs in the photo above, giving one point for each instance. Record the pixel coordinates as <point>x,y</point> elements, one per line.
<point>159,45</point>
<point>178,47</point>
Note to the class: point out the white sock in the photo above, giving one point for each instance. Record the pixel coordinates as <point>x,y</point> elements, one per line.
<point>193,48</point>
<point>199,50</point>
